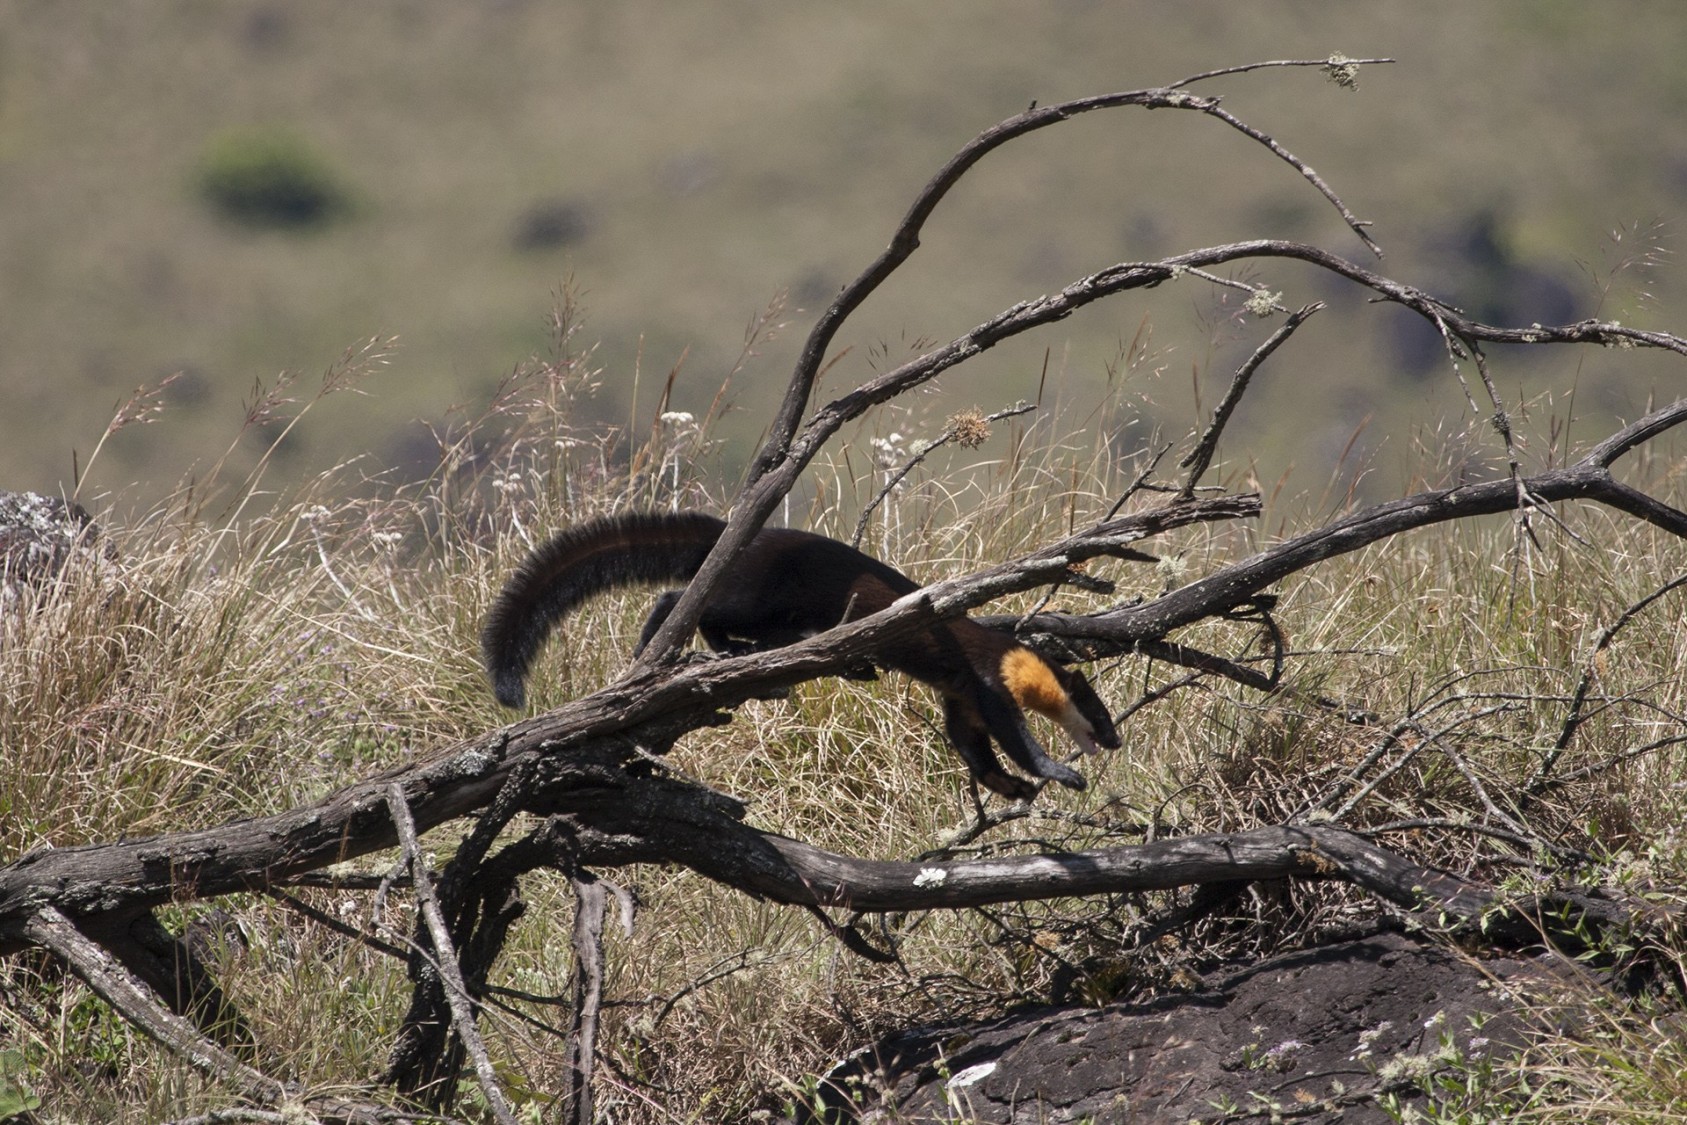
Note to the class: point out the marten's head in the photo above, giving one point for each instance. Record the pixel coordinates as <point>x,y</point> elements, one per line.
<point>1063,694</point>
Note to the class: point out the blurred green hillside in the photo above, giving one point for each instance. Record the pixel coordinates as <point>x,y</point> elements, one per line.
<point>685,163</point>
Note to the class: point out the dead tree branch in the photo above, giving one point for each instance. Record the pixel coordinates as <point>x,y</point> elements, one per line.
<point>651,708</point>
<point>949,434</point>
<point>774,469</point>
<point>592,768</point>
<point>101,971</point>
<point>774,479</point>
<point>457,995</point>
<point>588,999</point>
<point>1589,479</point>
<point>1201,456</point>
<point>1577,713</point>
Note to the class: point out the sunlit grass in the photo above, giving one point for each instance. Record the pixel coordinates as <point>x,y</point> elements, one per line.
<point>239,657</point>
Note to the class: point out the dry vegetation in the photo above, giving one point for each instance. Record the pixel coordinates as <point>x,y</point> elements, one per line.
<point>1510,709</point>
<point>222,665</point>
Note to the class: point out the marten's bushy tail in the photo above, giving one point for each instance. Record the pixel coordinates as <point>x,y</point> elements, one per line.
<point>587,559</point>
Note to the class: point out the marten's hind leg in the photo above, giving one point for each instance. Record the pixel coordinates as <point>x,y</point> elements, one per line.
<point>658,614</point>
<point>718,635</point>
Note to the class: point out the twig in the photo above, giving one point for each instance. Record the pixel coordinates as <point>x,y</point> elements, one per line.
<point>720,970</point>
<point>770,485</point>
<point>1524,842</point>
<point>947,436</point>
<point>1140,483</point>
<point>1587,479</point>
<point>1575,717</point>
<point>1426,738</point>
<point>846,934</point>
<point>1201,456</point>
<point>456,991</point>
<point>1354,222</point>
<point>906,238</point>
<point>1168,652</point>
<point>1475,782</point>
<point>1617,759</point>
<point>323,918</point>
<point>1154,695</point>
<point>1354,776</point>
<point>1223,72</point>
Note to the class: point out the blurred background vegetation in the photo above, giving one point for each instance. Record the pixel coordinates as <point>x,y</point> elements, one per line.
<point>231,190</point>
<point>235,190</point>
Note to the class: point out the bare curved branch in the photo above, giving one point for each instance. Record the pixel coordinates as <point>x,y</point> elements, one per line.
<point>777,457</point>
<point>593,766</point>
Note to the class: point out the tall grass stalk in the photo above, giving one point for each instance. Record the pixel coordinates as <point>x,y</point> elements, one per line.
<point>227,666</point>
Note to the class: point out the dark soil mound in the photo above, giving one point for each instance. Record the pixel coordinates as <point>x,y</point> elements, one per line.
<point>1318,1033</point>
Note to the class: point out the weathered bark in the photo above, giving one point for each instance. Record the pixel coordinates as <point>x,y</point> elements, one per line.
<point>647,710</point>
<point>589,764</point>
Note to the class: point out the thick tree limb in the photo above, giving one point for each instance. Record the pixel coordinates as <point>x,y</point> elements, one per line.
<point>668,826</point>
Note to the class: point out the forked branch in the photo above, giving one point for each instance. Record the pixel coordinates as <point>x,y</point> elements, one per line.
<point>592,767</point>
<point>774,470</point>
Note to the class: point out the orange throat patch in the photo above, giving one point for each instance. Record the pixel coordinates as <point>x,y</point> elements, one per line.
<point>1033,683</point>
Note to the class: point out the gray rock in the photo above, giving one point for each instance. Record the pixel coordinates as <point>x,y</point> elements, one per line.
<point>38,534</point>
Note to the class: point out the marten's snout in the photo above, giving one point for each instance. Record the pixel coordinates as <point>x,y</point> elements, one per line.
<point>1090,737</point>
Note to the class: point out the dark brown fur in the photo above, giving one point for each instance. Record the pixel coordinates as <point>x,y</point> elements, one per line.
<point>788,585</point>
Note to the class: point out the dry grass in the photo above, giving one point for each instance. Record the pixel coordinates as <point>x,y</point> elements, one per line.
<point>219,666</point>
